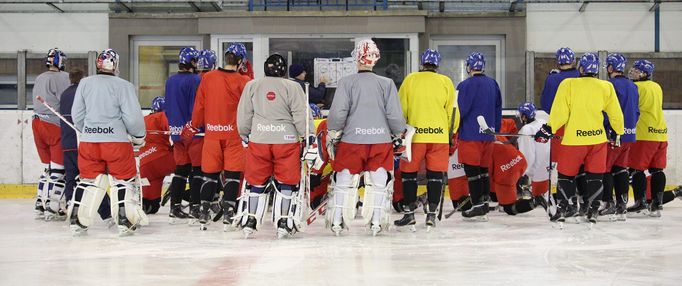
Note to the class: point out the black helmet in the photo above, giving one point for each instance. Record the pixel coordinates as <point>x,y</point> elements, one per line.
<point>275,66</point>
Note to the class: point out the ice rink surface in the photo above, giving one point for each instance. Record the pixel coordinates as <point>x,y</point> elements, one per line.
<point>522,250</point>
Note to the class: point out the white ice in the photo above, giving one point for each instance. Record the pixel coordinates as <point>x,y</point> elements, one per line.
<point>521,250</point>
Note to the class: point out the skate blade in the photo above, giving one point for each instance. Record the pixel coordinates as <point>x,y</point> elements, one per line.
<point>482,218</point>
<point>193,222</point>
<point>203,226</point>
<point>375,231</point>
<point>77,230</point>
<point>622,217</point>
<point>175,220</point>
<point>655,214</point>
<point>282,233</point>
<point>337,229</point>
<point>558,225</point>
<point>229,227</point>
<point>607,218</point>
<point>247,232</point>
<point>429,228</point>
<point>125,231</point>
<point>410,227</point>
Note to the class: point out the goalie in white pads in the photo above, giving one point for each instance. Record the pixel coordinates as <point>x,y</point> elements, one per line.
<point>107,111</point>
<point>363,120</point>
<point>271,118</point>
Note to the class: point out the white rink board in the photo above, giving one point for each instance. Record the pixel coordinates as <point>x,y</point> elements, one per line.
<point>522,250</point>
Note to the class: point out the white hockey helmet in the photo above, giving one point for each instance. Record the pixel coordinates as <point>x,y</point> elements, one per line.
<point>107,60</point>
<point>366,53</point>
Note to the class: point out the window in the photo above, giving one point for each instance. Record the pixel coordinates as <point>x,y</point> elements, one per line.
<point>454,52</point>
<point>8,82</point>
<point>394,62</point>
<point>305,50</point>
<point>154,60</point>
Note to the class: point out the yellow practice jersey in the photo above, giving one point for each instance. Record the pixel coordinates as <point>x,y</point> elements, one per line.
<point>578,107</point>
<point>428,99</point>
<point>651,125</point>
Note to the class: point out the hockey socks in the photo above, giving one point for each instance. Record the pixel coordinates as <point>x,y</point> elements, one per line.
<point>434,188</point>
<point>621,184</point>
<point>639,185</point>
<point>607,195</point>
<point>231,187</point>
<point>410,189</point>
<point>209,187</point>
<point>657,186</point>
<point>195,185</point>
<point>566,188</point>
<point>177,186</point>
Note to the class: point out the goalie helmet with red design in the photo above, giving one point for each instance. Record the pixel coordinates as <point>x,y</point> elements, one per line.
<point>107,61</point>
<point>366,53</point>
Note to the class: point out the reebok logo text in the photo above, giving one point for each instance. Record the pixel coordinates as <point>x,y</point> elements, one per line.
<point>218,128</point>
<point>586,133</point>
<point>428,130</point>
<point>147,153</point>
<point>270,128</point>
<point>99,130</point>
<point>511,164</point>
<point>658,131</point>
<point>370,131</point>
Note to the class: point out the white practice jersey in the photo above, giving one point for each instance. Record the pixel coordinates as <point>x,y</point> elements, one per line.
<point>537,154</point>
<point>455,168</point>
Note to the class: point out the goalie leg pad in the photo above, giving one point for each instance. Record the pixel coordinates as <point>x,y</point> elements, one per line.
<point>376,201</point>
<point>125,194</point>
<point>252,203</point>
<point>88,197</point>
<point>343,199</point>
<point>288,204</point>
<point>55,190</point>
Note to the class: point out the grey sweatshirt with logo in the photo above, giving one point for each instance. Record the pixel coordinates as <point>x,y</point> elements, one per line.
<point>49,85</point>
<point>273,110</point>
<point>106,109</point>
<point>367,109</point>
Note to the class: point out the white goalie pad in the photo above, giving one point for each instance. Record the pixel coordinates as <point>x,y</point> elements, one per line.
<point>242,215</point>
<point>55,188</point>
<point>294,212</point>
<point>377,200</point>
<point>41,191</point>
<point>131,201</point>
<point>344,199</point>
<point>407,142</point>
<point>93,193</point>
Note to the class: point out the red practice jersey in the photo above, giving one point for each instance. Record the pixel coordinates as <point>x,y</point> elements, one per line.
<point>215,107</point>
<point>157,145</point>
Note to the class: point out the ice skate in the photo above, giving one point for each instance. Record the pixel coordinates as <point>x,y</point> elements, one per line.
<point>204,215</point>
<point>581,216</point>
<point>54,216</point>
<point>655,210</point>
<point>39,209</point>
<point>592,216</point>
<point>250,226</point>
<point>430,221</point>
<point>407,221</point>
<point>165,198</point>
<point>176,215</point>
<point>194,212</point>
<point>621,212</point>
<point>338,228</point>
<point>640,207</point>
<point>228,218</point>
<point>77,229</point>
<point>608,213</point>
<point>283,229</point>
<point>678,192</point>
<point>477,213</point>
<point>375,229</point>
<point>125,227</point>
<point>540,201</point>
<point>216,210</point>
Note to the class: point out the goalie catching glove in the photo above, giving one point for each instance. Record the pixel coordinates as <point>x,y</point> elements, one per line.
<point>544,134</point>
<point>333,138</point>
<point>311,153</point>
<point>138,142</point>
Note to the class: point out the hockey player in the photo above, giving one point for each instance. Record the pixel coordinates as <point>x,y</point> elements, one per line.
<point>507,172</point>
<point>206,61</point>
<point>458,186</point>
<point>427,99</point>
<point>650,149</point>
<point>565,59</point>
<point>365,117</point>
<point>156,157</point>
<point>578,107</point>
<point>46,135</point>
<point>271,118</point>
<point>181,90</point>
<point>215,109</point>
<point>107,111</point>
<point>536,154</point>
<point>70,145</point>
<point>479,95</point>
<point>617,158</point>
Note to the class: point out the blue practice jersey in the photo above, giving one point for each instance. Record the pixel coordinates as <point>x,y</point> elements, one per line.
<point>181,90</point>
<point>628,97</point>
<point>552,84</point>
<point>479,95</point>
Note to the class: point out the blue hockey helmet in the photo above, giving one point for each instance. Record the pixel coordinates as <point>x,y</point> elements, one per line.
<point>187,55</point>
<point>616,61</point>
<point>317,112</point>
<point>644,66</point>
<point>430,56</point>
<point>476,61</point>
<point>158,103</point>
<point>206,60</point>
<point>589,62</point>
<point>238,49</point>
<point>527,109</point>
<point>565,56</point>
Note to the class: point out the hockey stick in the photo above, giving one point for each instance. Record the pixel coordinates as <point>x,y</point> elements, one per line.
<point>445,175</point>
<point>163,132</point>
<point>459,207</point>
<point>319,210</point>
<point>487,130</point>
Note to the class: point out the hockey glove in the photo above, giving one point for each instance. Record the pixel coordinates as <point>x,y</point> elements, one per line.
<point>333,138</point>
<point>245,142</point>
<point>188,132</point>
<point>614,138</point>
<point>138,142</point>
<point>311,153</point>
<point>544,134</point>
<point>453,144</point>
<point>398,146</point>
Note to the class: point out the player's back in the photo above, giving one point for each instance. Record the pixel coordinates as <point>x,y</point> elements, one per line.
<point>221,90</point>
<point>426,98</point>
<point>49,85</point>
<point>479,95</point>
<point>552,83</point>
<point>628,97</point>
<point>536,153</point>
<point>651,125</point>
<point>366,108</point>
<point>157,121</point>
<point>179,100</point>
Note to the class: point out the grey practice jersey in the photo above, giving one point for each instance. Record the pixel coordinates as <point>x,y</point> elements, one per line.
<point>106,109</point>
<point>49,85</point>
<point>273,110</point>
<point>367,109</point>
